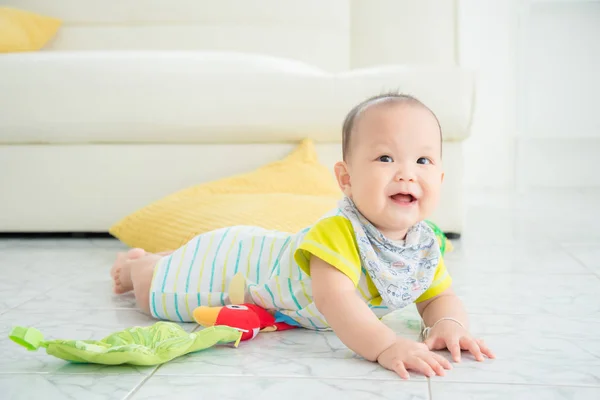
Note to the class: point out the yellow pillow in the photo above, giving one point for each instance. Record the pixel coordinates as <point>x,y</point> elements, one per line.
<point>25,31</point>
<point>286,195</point>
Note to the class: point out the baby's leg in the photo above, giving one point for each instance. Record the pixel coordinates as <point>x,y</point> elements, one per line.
<point>142,271</point>
<point>125,286</point>
<point>123,281</point>
<point>134,271</point>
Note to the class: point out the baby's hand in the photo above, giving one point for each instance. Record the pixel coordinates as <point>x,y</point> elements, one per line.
<point>406,354</point>
<point>450,335</point>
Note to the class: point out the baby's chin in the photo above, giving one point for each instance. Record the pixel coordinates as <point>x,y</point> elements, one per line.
<point>392,222</point>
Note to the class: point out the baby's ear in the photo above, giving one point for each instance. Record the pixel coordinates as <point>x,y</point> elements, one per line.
<point>343,177</point>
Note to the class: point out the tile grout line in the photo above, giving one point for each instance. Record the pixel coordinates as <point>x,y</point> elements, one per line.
<point>340,378</point>
<point>500,383</point>
<point>429,390</point>
<point>146,379</point>
<point>399,380</point>
<point>578,261</point>
<point>139,386</point>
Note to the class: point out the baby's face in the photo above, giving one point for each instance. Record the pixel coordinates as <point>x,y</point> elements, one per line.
<point>394,167</point>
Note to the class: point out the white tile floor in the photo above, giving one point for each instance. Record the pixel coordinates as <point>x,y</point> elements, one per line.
<point>528,269</point>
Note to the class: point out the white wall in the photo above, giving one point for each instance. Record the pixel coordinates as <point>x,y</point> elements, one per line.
<point>558,91</point>
<point>486,43</point>
<point>536,122</point>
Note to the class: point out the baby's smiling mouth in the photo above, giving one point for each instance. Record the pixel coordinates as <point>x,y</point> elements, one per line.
<point>403,198</point>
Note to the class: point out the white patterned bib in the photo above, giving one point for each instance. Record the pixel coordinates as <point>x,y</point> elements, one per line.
<point>401,270</point>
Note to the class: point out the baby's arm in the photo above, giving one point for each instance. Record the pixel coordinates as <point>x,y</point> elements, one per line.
<point>445,305</point>
<point>451,330</point>
<point>359,328</point>
<point>351,318</point>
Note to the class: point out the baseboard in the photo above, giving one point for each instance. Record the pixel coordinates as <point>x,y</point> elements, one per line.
<point>55,235</point>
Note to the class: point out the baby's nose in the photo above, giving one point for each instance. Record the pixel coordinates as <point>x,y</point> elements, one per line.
<point>405,173</point>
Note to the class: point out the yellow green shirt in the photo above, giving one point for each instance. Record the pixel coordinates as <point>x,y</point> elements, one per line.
<point>333,240</point>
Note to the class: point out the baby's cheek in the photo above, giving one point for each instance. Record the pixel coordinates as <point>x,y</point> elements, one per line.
<point>431,201</point>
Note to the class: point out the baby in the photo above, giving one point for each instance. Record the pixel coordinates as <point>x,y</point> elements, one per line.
<point>372,255</point>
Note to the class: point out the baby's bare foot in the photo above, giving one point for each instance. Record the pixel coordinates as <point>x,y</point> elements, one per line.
<point>121,270</point>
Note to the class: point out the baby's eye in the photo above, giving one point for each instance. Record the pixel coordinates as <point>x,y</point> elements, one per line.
<point>386,159</point>
<point>423,160</point>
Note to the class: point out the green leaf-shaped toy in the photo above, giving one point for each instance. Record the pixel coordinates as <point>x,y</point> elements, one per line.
<point>150,345</point>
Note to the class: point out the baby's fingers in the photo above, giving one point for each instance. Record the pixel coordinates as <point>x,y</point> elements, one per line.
<point>420,365</point>
<point>454,348</point>
<point>443,362</point>
<point>471,345</point>
<point>435,364</point>
<point>400,369</point>
<point>484,349</point>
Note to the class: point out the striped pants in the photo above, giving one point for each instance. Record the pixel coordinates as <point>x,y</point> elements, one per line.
<point>198,274</point>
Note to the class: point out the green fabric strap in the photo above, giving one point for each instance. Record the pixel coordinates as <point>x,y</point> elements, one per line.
<point>440,235</point>
<point>30,338</point>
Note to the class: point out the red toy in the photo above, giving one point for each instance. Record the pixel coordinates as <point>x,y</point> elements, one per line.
<point>248,318</point>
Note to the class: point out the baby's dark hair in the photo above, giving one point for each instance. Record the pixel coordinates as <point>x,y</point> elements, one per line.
<point>390,97</point>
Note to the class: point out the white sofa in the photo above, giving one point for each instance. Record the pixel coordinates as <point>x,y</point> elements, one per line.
<point>135,99</point>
